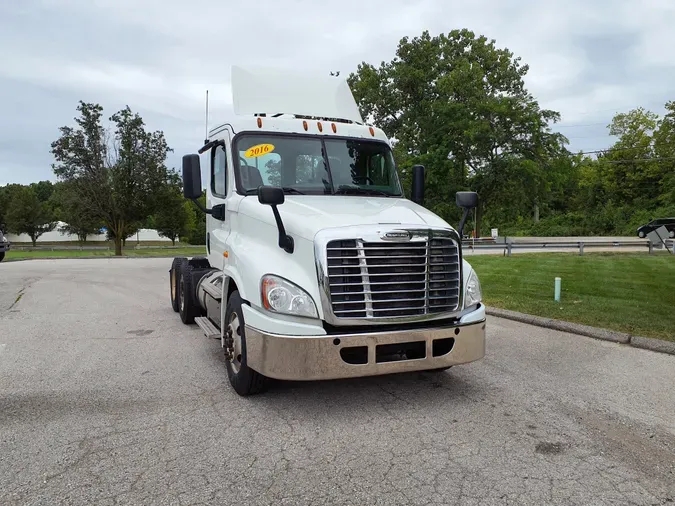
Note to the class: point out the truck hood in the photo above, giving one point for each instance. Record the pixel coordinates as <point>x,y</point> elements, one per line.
<point>305,215</point>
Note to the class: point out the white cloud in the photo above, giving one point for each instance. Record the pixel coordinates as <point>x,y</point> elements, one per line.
<point>159,56</point>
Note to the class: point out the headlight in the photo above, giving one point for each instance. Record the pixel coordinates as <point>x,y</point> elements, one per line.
<point>472,294</point>
<point>282,296</point>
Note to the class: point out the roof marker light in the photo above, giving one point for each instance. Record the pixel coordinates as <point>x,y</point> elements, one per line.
<point>372,131</point>
<point>304,125</point>
<point>320,126</point>
<point>334,128</point>
<point>259,122</point>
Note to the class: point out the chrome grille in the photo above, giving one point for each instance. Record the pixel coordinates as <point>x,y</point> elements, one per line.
<point>389,280</point>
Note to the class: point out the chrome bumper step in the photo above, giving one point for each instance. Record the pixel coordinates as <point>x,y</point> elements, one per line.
<point>209,329</point>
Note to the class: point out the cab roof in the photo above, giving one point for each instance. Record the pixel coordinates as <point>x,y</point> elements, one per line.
<point>297,125</point>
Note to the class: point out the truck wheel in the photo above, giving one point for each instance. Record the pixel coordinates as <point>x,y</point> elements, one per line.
<point>243,379</point>
<point>187,307</point>
<point>2,256</point>
<point>174,276</point>
<point>641,234</point>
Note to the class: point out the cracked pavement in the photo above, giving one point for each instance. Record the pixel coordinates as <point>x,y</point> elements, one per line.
<point>106,398</point>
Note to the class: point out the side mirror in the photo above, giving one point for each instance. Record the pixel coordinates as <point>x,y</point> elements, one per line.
<point>467,201</point>
<point>274,196</point>
<point>271,195</point>
<point>417,184</point>
<point>192,177</point>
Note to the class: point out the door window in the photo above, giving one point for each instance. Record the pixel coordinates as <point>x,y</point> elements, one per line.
<point>219,171</point>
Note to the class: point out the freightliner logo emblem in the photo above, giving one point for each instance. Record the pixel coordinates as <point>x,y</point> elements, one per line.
<point>398,235</point>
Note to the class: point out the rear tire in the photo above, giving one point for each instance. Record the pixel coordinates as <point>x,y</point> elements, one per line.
<point>2,256</point>
<point>174,285</point>
<point>243,379</point>
<point>188,305</point>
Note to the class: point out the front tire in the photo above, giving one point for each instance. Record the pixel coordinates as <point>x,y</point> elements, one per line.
<point>174,278</point>
<point>243,379</point>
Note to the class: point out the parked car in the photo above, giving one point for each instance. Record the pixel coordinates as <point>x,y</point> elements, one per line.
<point>4,246</point>
<point>655,224</point>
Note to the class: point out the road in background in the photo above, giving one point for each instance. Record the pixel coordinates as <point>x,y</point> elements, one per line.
<point>106,398</point>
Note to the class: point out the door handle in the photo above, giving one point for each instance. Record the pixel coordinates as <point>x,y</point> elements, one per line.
<point>218,212</point>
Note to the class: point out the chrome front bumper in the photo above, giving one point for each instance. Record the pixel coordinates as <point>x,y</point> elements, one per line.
<point>319,357</point>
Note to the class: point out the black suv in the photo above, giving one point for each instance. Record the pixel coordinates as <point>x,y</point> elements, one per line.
<point>654,224</point>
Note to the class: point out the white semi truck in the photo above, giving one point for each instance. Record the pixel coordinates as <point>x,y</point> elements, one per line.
<point>317,266</point>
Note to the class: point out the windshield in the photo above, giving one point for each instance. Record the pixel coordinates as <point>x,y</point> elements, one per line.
<point>315,166</point>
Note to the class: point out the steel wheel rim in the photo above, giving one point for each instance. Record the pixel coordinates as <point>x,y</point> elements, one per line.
<point>182,294</point>
<point>234,327</point>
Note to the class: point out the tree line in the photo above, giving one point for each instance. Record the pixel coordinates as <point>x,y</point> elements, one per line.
<point>112,178</point>
<point>458,104</point>
<point>455,103</point>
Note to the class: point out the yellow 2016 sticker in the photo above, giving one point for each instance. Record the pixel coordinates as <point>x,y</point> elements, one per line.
<point>259,150</point>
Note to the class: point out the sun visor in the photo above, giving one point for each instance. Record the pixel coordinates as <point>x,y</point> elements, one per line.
<point>273,91</point>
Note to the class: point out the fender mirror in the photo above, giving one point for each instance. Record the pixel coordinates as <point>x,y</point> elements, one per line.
<point>274,196</point>
<point>467,201</point>
<point>271,195</point>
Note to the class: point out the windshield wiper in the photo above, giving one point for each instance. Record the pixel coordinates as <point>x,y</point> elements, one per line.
<point>287,189</point>
<point>357,190</point>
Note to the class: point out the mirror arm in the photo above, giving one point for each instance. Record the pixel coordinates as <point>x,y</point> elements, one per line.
<point>465,216</point>
<point>210,145</point>
<point>285,240</point>
<point>201,207</point>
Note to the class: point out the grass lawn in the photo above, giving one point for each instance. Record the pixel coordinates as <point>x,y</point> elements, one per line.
<point>128,252</point>
<point>633,293</point>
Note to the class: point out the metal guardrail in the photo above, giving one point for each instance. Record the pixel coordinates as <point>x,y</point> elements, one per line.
<point>72,247</point>
<point>508,244</point>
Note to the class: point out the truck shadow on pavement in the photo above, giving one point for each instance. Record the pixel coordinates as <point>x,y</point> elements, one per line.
<point>414,388</point>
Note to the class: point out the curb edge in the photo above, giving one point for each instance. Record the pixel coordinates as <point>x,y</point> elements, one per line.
<point>646,343</point>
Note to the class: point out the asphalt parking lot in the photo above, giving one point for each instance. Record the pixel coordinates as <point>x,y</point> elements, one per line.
<point>106,398</point>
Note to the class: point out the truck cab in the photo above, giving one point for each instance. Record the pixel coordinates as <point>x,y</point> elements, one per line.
<point>317,266</point>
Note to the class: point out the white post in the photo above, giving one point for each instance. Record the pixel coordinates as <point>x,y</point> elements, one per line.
<point>558,282</point>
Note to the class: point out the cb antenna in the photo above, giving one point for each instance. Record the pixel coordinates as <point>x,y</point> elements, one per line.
<point>206,128</point>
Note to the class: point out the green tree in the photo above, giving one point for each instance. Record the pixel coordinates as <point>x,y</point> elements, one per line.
<point>27,215</point>
<point>43,190</point>
<point>664,151</point>
<point>458,104</point>
<point>70,210</point>
<point>173,216</point>
<point>630,175</point>
<point>4,203</point>
<point>196,233</point>
<point>114,173</point>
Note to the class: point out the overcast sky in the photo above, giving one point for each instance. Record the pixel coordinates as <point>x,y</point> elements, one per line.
<point>587,59</point>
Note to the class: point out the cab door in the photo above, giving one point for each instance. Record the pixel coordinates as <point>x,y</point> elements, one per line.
<point>219,188</point>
